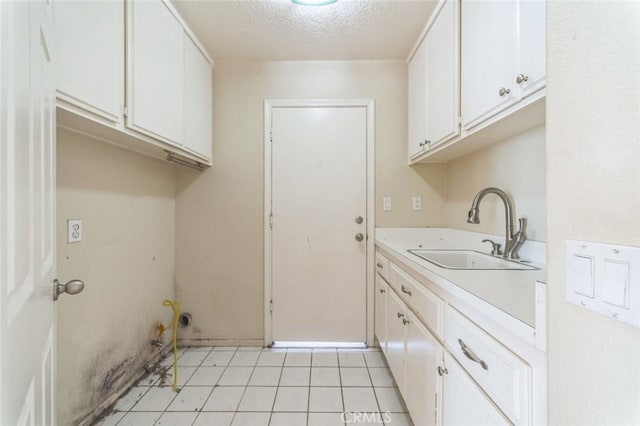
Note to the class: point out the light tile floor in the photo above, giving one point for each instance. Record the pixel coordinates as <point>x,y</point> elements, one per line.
<point>224,386</point>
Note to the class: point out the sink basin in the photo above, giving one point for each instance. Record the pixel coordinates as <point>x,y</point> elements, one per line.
<point>468,259</point>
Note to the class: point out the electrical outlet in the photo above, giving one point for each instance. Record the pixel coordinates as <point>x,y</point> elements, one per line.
<point>386,204</point>
<point>417,203</point>
<point>74,230</point>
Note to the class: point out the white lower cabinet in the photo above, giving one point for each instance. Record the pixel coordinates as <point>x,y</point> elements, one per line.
<point>413,355</point>
<point>449,370</point>
<point>463,402</point>
<point>396,338</point>
<point>380,326</point>
<point>422,382</point>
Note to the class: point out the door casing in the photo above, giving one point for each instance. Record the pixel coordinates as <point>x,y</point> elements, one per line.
<point>269,105</point>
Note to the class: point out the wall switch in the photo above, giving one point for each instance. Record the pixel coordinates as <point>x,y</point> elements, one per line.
<point>417,203</point>
<point>74,230</point>
<point>386,204</point>
<point>604,278</point>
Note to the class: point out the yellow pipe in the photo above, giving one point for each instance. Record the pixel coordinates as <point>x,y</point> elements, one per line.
<point>175,305</point>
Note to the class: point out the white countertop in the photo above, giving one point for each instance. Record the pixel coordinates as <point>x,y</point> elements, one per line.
<point>511,291</point>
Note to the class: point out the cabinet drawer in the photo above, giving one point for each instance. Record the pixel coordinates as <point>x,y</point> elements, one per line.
<point>382,266</point>
<point>427,306</point>
<point>502,374</point>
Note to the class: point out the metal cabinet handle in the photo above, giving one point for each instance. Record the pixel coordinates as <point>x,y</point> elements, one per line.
<point>521,78</point>
<point>359,236</point>
<point>442,371</point>
<point>404,290</point>
<point>405,321</point>
<point>379,265</point>
<point>382,290</point>
<point>466,350</point>
<point>359,220</point>
<point>400,315</point>
<point>504,91</point>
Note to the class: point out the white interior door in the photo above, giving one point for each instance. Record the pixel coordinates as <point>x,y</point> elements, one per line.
<point>27,194</point>
<point>319,190</point>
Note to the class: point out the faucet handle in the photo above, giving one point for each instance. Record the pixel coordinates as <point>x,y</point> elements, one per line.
<point>495,247</point>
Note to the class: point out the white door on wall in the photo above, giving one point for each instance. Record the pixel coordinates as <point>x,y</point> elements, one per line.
<point>27,207</point>
<point>318,238</point>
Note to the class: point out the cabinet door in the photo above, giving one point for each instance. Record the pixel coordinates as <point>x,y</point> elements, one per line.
<point>155,71</point>
<point>463,402</point>
<point>488,54</point>
<point>380,327</point>
<point>532,46</point>
<point>396,338</point>
<point>90,56</point>
<point>443,76</point>
<point>422,382</point>
<point>197,100</point>
<point>417,96</point>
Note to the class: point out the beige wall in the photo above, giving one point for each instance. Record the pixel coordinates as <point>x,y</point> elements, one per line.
<point>593,190</point>
<point>126,259</point>
<point>517,166</point>
<point>219,246</point>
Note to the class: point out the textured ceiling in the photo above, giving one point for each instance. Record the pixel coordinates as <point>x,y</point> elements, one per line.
<point>281,30</point>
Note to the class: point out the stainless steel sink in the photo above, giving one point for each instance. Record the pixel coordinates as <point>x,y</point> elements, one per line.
<point>468,259</point>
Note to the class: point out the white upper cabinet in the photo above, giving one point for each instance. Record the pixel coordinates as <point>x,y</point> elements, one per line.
<point>443,73</point>
<point>417,96</point>
<point>532,67</point>
<point>197,100</point>
<point>155,68</point>
<point>489,53</point>
<point>484,77</point>
<point>503,55</point>
<point>131,72</point>
<point>90,58</point>
<point>433,83</point>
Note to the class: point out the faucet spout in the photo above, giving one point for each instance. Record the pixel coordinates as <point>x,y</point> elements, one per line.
<point>513,241</point>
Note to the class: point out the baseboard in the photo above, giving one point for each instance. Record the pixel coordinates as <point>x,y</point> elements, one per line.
<point>220,342</point>
<point>100,409</point>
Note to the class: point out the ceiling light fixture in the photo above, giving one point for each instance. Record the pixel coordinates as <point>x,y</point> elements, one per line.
<point>313,2</point>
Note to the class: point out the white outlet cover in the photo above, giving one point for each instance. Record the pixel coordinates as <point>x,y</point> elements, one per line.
<point>74,230</point>
<point>417,203</point>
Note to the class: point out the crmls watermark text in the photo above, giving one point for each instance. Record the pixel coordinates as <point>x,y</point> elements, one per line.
<point>368,417</point>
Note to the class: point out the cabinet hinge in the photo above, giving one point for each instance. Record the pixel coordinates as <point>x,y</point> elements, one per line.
<point>271,220</point>
<point>460,121</point>
<point>271,306</point>
<point>125,111</point>
<point>271,135</point>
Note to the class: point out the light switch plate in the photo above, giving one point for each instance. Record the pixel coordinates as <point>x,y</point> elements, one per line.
<point>604,278</point>
<point>386,204</point>
<point>74,230</point>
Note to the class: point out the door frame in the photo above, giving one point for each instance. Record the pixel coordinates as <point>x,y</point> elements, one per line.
<point>369,104</point>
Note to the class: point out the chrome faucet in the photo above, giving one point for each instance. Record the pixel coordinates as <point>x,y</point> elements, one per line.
<point>513,241</point>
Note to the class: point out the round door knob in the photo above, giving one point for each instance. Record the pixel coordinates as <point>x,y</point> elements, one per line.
<point>71,287</point>
<point>359,236</point>
<point>359,220</point>
<point>521,78</point>
<point>504,91</point>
